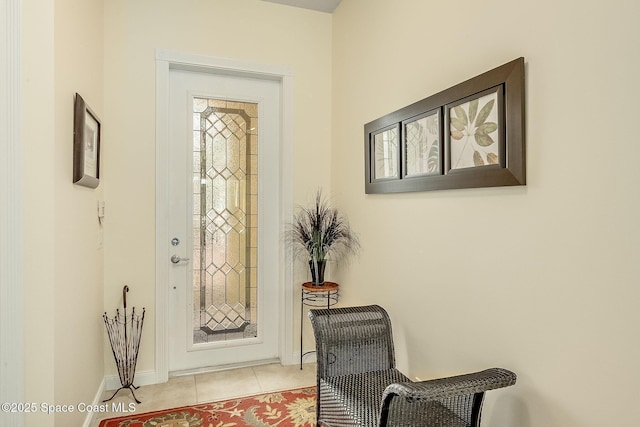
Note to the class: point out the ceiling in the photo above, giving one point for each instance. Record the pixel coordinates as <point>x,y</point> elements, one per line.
<point>327,6</point>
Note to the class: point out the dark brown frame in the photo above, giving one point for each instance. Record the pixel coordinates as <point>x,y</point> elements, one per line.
<point>508,80</point>
<point>82,113</point>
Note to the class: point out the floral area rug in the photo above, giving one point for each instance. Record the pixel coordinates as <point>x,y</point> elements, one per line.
<point>292,408</point>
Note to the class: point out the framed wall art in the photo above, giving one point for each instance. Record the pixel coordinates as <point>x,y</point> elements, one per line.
<point>86,145</point>
<point>386,153</point>
<point>470,135</point>
<point>422,151</point>
<point>475,132</point>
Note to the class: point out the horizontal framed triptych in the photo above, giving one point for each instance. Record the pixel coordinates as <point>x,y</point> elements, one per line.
<point>470,135</point>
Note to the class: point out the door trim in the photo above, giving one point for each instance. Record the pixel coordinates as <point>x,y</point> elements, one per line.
<point>165,61</point>
<point>12,307</point>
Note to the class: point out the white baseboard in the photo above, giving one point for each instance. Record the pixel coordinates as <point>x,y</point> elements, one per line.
<point>307,358</point>
<point>112,382</point>
<point>209,369</point>
<point>96,401</point>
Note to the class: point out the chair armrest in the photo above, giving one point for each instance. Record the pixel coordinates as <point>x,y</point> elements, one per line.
<point>440,388</point>
<point>443,388</point>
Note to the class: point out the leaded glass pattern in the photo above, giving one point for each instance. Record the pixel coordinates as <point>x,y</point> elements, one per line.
<point>225,217</point>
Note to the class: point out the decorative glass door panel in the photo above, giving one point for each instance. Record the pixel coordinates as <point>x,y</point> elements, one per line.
<point>225,219</point>
<point>223,285</point>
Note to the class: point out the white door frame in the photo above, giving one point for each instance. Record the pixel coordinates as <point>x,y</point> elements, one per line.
<point>11,279</point>
<point>166,60</point>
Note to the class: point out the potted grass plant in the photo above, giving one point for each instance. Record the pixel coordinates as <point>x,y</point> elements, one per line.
<point>321,232</point>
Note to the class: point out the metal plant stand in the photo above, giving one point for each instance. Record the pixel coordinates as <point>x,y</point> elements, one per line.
<point>325,295</point>
<point>124,335</point>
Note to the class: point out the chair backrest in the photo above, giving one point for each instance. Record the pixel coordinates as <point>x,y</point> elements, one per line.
<point>352,340</point>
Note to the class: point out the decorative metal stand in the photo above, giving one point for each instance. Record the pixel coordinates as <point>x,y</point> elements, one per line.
<point>124,335</point>
<point>325,295</point>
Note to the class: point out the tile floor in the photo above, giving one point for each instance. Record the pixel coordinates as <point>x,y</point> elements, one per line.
<point>208,387</point>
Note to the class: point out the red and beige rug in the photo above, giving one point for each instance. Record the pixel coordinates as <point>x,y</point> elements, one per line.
<point>291,408</point>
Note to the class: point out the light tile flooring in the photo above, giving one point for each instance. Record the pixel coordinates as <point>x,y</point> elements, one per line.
<point>200,388</point>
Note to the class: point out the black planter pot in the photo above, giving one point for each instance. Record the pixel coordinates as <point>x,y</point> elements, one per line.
<point>317,277</point>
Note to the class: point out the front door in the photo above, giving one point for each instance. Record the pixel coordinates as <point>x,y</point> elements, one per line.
<point>223,219</point>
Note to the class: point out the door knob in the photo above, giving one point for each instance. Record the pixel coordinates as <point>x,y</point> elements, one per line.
<point>176,259</point>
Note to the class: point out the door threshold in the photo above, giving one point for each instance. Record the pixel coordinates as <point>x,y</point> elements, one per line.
<point>209,369</point>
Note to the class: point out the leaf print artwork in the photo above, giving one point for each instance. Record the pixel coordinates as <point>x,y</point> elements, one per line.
<point>474,126</point>
<point>422,146</point>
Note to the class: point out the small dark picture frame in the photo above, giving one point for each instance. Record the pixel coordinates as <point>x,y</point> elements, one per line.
<point>86,145</point>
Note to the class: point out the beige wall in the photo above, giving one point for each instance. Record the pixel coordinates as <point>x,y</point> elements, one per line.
<point>246,30</point>
<point>38,206</point>
<point>62,54</point>
<point>541,279</point>
<point>79,276</point>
